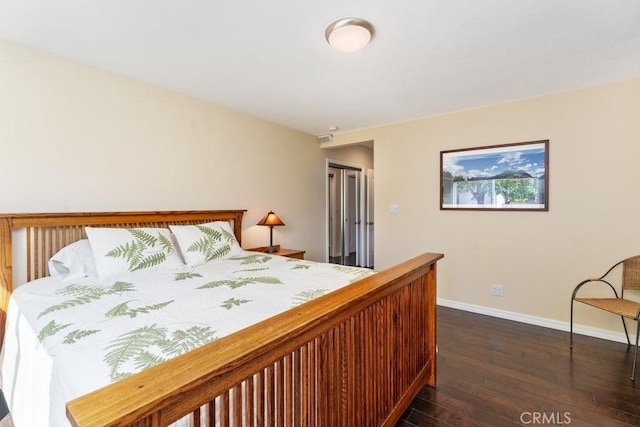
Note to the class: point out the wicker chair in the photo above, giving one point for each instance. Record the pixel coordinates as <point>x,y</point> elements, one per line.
<point>618,305</point>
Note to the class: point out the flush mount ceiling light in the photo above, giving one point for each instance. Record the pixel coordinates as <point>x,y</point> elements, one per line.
<point>349,34</point>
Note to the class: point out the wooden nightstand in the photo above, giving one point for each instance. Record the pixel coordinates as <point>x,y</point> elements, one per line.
<point>291,253</point>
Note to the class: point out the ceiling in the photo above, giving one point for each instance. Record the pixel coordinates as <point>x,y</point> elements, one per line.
<point>270,58</point>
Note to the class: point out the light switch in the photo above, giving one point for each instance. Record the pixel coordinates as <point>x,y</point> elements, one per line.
<point>393,209</point>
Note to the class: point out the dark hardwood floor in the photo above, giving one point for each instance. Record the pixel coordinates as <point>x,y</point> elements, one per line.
<point>495,372</point>
<point>348,260</point>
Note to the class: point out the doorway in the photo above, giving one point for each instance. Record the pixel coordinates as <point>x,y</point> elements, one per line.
<point>350,215</point>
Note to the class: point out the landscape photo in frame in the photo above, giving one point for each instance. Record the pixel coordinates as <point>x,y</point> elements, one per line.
<point>497,177</point>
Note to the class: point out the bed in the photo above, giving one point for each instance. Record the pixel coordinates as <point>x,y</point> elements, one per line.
<point>356,355</point>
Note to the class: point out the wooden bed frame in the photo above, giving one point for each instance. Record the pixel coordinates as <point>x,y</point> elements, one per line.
<point>356,356</point>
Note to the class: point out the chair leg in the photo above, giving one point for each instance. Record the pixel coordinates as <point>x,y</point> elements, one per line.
<point>571,326</point>
<point>624,325</point>
<point>635,354</point>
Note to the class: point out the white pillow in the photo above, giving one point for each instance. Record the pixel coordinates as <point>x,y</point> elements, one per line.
<point>117,251</point>
<point>73,261</point>
<point>202,243</point>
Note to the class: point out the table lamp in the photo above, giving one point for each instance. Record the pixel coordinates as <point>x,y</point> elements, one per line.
<point>271,220</point>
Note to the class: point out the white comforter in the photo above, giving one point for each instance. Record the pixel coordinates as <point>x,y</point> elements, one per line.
<point>66,339</point>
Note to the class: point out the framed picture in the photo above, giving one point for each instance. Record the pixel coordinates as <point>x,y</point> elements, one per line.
<point>511,177</point>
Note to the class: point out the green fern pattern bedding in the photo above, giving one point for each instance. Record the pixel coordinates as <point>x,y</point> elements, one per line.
<point>71,338</point>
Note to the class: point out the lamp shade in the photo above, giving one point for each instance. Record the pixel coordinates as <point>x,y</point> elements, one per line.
<point>270,219</point>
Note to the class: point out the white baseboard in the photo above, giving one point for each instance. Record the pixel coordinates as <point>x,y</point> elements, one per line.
<point>534,320</point>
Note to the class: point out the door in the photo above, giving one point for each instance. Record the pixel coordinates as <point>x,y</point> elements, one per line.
<point>353,210</point>
<point>369,223</point>
<point>334,212</point>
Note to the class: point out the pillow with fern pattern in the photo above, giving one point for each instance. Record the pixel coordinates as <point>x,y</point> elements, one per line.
<point>117,251</point>
<point>202,243</point>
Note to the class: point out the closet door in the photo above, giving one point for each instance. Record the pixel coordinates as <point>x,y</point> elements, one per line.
<point>334,207</point>
<point>356,232</point>
<point>369,223</point>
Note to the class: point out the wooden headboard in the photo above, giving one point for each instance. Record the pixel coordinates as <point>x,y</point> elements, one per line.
<point>47,233</point>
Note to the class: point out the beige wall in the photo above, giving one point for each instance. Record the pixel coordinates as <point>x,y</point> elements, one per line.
<point>354,154</point>
<point>539,257</point>
<point>75,138</point>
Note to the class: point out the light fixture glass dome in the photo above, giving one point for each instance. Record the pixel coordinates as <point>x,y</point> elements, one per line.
<point>349,34</point>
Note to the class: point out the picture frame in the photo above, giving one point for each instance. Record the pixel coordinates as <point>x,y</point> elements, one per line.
<point>506,177</point>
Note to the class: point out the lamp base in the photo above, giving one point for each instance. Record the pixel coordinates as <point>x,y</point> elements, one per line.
<point>271,249</point>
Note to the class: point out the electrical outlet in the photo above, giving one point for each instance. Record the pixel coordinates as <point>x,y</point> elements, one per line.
<point>394,209</point>
<point>497,290</point>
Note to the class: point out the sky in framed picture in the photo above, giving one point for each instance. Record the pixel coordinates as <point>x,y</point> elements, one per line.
<point>501,177</point>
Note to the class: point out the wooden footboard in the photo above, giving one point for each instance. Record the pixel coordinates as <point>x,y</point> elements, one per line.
<point>356,356</point>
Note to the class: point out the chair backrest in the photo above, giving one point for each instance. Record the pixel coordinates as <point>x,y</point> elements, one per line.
<point>631,273</point>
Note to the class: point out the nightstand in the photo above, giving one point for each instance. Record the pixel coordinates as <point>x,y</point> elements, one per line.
<point>291,253</point>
